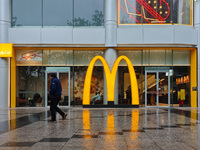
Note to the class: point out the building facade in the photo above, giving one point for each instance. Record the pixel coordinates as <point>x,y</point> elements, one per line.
<point>159,37</point>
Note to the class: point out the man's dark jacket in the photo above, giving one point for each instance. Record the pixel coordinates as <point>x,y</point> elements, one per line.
<point>55,89</point>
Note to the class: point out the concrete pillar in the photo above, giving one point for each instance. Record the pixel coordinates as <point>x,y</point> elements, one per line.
<point>197,26</point>
<point>5,24</point>
<point>110,22</point>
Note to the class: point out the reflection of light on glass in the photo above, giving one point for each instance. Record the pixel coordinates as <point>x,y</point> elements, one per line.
<point>12,119</point>
<point>86,119</point>
<point>135,122</point>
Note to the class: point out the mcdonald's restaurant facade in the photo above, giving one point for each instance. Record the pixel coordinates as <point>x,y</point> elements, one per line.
<point>112,53</point>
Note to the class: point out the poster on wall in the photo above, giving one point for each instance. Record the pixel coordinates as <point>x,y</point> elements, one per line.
<point>23,57</point>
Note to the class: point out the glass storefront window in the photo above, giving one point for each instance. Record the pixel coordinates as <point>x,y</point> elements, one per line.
<point>26,13</point>
<point>181,58</point>
<point>24,57</point>
<point>88,12</point>
<point>181,85</point>
<point>155,12</point>
<point>30,89</point>
<point>175,62</point>
<point>172,68</point>
<point>157,57</point>
<point>81,62</point>
<point>83,58</point>
<point>135,57</point>
<point>57,57</point>
<point>124,93</point>
<point>57,13</point>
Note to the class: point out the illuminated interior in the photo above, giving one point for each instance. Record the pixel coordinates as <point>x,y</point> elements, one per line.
<point>155,12</point>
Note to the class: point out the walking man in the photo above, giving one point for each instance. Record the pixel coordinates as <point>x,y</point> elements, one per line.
<point>55,93</point>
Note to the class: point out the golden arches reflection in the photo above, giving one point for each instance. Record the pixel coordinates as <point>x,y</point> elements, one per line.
<point>86,119</point>
<point>110,79</point>
<point>135,119</point>
<point>135,123</point>
<point>194,114</point>
<point>13,119</point>
<point>110,121</point>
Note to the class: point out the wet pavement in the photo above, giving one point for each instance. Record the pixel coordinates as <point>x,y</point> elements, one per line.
<point>94,129</point>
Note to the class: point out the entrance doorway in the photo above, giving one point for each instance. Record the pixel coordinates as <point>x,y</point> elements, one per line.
<point>63,74</point>
<point>157,88</point>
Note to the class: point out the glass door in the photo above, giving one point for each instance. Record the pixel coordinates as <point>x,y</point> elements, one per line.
<point>63,74</point>
<point>163,89</point>
<point>65,83</point>
<point>157,89</point>
<point>150,90</point>
<point>48,84</point>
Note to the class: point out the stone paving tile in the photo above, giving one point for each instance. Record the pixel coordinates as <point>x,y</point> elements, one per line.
<point>175,145</point>
<point>111,142</point>
<point>77,148</point>
<point>82,142</point>
<point>47,146</point>
<point>102,129</point>
<point>87,132</point>
<point>15,148</point>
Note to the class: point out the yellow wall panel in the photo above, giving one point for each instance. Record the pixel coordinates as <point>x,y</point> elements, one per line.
<point>193,75</point>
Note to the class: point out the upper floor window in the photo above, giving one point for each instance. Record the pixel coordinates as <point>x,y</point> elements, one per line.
<point>88,12</point>
<point>57,13</point>
<point>26,13</point>
<point>156,12</point>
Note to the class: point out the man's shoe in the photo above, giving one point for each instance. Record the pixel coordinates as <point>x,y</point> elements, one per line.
<point>64,117</point>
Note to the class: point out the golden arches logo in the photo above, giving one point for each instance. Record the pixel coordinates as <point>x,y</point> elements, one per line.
<point>110,79</point>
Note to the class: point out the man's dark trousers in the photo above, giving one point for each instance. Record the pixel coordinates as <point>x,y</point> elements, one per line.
<point>53,107</point>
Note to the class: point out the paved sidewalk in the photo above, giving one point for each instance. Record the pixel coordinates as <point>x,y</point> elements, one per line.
<point>94,129</point>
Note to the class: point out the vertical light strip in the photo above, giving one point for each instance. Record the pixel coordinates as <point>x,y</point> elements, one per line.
<point>191,12</point>
<point>119,12</point>
<point>13,80</point>
<point>9,81</point>
<point>193,75</point>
